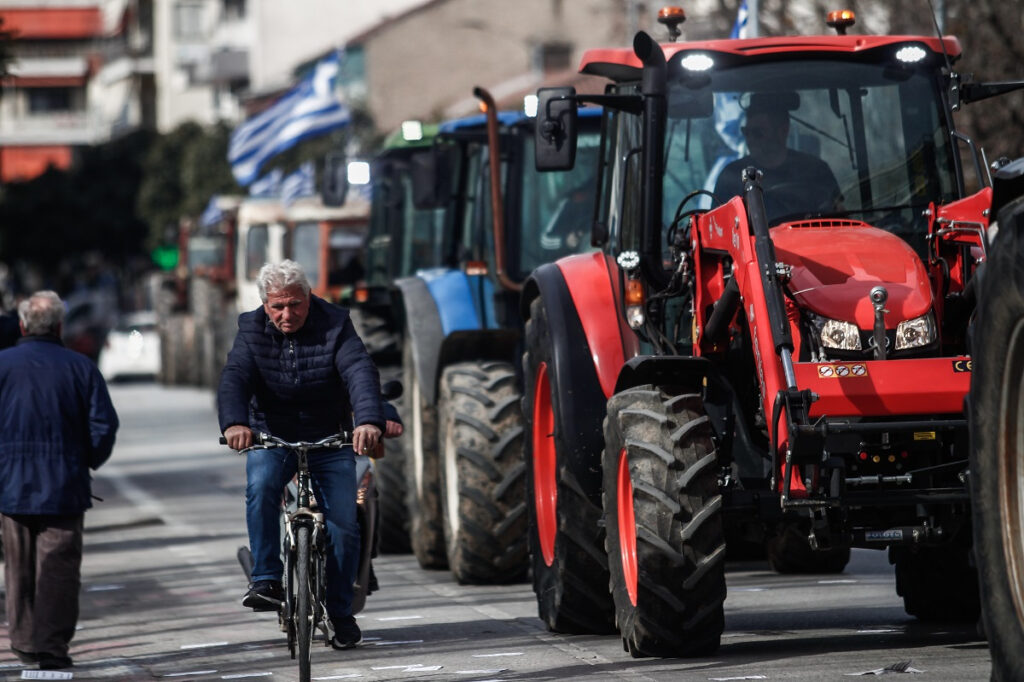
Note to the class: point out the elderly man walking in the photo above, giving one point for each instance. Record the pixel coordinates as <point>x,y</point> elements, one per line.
<point>56,423</point>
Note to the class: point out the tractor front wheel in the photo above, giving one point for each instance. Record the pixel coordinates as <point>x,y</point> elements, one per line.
<point>663,514</point>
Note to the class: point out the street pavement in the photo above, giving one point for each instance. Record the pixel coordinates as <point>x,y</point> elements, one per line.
<point>162,588</point>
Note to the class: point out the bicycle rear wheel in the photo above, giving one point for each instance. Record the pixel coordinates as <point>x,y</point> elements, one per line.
<point>303,603</point>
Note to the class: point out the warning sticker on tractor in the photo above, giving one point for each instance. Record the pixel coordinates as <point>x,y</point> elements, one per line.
<point>842,371</point>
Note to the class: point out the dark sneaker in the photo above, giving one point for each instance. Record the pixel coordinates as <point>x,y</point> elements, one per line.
<point>52,662</point>
<point>346,633</point>
<point>25,656</point>
<point>265,595</point>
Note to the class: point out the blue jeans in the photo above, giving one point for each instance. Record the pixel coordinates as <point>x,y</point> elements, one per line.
<point>334,484</point>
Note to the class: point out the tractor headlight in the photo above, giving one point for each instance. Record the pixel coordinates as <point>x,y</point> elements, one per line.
<point>840,335</point>
<point>915,333</point>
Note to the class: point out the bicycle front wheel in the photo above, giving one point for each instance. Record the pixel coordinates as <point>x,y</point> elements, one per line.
<point>303,602</point>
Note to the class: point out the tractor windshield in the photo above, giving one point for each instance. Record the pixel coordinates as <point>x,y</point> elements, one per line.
<point>865,140</point>
<point>557,208</point>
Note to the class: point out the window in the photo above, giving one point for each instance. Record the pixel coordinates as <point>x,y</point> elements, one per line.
<point>256,244</point>
<point>188,20</point>
<point>49,100</point>
<point>306,249</point>
<point>233,10</point>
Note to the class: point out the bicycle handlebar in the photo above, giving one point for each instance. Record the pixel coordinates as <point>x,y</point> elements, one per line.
<point>265,441</point>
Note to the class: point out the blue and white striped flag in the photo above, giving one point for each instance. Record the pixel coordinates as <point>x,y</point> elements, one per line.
<point>729,115</point>
<point>268,186</point>
<point>301,183</point>
<point>311,108</point>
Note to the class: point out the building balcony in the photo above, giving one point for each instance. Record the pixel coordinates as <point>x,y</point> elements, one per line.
<point>55,128</point>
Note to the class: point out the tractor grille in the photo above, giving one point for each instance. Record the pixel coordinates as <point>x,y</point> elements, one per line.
<point>828,222</point>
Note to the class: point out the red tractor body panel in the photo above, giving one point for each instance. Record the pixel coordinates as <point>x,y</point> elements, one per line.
<point>834,266</point>
<point>597,301</point>
<point>881,387</point>
<point>766,46</point>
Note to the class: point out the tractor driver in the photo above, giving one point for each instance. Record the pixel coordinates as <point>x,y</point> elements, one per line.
<point>795,183</point>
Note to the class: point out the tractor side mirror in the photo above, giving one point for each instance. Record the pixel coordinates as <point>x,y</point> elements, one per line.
<point>430,172</point>
<point>555,133</point>
<point>1007,183</point>
<point>334,188</point>
<point>391,390</point>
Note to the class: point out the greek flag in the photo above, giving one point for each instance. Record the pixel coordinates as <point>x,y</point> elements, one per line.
<point>729,115</point>
<point>311,108</point>
<point>268,186</point>
<point>301,183</point>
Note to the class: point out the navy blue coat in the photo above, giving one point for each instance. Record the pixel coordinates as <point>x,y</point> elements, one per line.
<point>300,386</point>
<point>56,423</point>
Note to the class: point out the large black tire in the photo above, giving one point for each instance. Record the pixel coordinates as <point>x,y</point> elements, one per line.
<point>482,473</point>
<point>663,512</point>
<point>303,603</point>
<point>789,552</point>
<point>997,457</point>
<point>567,555</point>
<point>422,478</point>
<point>380,341</point>
<point>391,489</point>
<point>937,583</point>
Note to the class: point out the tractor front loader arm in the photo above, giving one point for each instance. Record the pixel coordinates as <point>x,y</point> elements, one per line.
<point>803,441</point>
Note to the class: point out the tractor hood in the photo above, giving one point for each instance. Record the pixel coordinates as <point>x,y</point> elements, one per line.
<point>836,263</point>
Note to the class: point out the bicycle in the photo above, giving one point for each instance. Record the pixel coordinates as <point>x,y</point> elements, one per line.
<point>303,610</point>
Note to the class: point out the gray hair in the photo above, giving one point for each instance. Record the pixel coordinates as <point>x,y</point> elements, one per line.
<point>280,276</point>
<point>41,313</point>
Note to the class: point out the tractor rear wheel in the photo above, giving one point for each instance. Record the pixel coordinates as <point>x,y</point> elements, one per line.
<point>390,480</point>
<point>663,514</point>
<point>937,583</point>
<point>380,341</point>
<point>569,566</point>
<point>997,444</point>
<point>482,479</point>
<point>789,551</point>
<point>422,479</point>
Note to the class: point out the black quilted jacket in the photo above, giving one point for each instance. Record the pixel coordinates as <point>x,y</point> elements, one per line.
<point>300,386</point>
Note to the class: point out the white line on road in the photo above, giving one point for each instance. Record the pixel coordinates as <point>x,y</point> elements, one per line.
<point>190,672</point>
<point>203,645</point>
<point>400,618</point>
<point>506,653</point>
<point>240,676</point>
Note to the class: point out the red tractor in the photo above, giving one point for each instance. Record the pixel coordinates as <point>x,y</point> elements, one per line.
<point>781,346</point>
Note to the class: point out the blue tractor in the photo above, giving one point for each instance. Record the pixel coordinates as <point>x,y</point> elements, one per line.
<point>462,335</point>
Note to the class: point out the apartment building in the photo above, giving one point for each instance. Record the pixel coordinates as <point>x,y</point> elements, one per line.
<point>80,75</point>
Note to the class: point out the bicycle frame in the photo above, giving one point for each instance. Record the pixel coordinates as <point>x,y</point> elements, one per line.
<point>304,546</point>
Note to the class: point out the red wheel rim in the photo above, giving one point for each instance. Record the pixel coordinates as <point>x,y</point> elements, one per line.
<point>545,487</point>
<point>627,526</point>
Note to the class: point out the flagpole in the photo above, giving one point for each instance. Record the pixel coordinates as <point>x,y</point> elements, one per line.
<point>752,23</point>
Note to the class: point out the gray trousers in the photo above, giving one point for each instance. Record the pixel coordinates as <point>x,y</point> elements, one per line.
<point>42,572</point>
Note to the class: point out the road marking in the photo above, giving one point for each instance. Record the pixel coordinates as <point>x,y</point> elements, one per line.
<point>400,618</point>
<point>45,675</point>
<point>190,672</point>
<point>103,588</point>
<point>480,672</point>
<point>509,653</point>
<point>203,645</point>
<point>404,641</point>
<point>837,582</point>
<point>338,677</point>
<point>240,676</point>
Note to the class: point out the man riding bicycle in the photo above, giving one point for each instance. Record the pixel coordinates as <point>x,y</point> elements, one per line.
<point>298,370</point>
